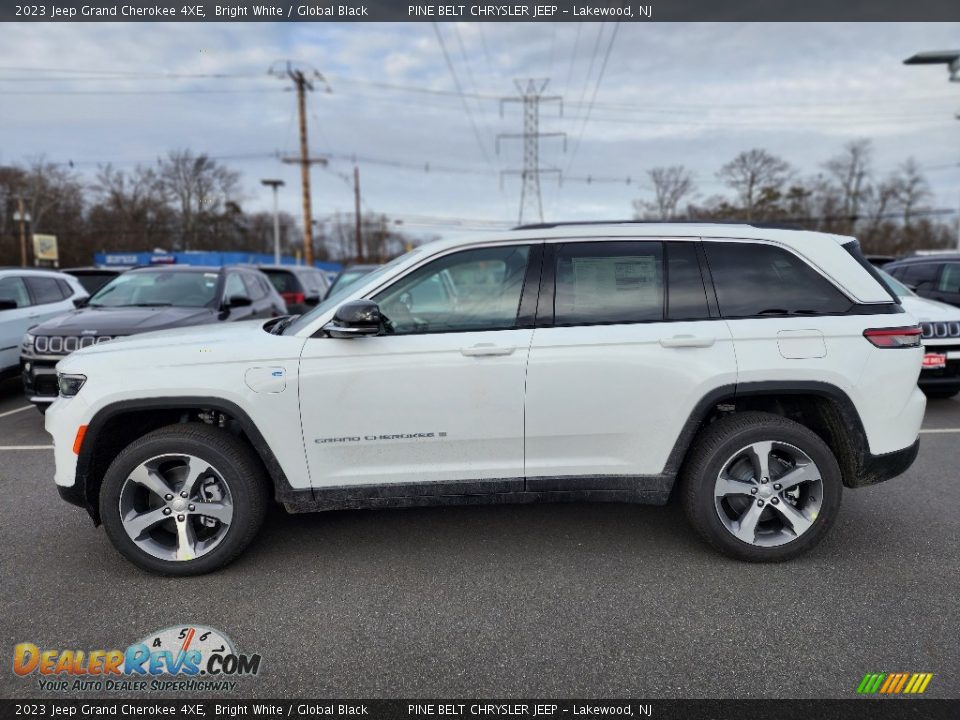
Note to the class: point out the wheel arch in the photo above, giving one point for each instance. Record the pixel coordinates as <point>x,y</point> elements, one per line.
<point>822,407</point>
<point>115,426</point>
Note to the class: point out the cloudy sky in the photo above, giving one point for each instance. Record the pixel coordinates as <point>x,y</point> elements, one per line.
<point>635,96</point>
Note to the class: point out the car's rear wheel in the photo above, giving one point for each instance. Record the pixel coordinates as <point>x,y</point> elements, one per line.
<point>760,487</point>
<point>184,500</point>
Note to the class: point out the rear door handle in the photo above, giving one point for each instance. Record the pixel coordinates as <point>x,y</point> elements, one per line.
<point>685,341</point>
<point>486,349</point>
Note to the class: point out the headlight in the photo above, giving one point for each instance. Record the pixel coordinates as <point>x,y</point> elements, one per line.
<point>70,384</point>
<point>28,341</point>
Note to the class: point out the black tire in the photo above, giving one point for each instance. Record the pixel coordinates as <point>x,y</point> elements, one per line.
<point>236,463</point>
<point>940,394</point>
<point>721,441</point>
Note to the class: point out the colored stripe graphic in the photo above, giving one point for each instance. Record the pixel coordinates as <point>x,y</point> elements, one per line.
<point>894,683</point>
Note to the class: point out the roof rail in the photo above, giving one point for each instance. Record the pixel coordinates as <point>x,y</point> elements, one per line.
<point>783,225</point>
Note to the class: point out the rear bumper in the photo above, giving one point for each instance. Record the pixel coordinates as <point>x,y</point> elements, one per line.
<point>877,468</point>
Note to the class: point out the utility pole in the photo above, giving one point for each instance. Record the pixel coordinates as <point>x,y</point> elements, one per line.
<point>276,217</point>
<point>21,213</point>
<point>356,211</point>
<point>303,81</point>
<point>531,95</point>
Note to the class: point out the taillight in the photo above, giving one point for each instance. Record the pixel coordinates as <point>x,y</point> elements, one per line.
<point>900,337</point>
<point>293,298</point>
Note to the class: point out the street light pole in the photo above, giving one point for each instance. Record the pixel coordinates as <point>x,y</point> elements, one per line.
<point>950,58</point>
<point>276,218</point>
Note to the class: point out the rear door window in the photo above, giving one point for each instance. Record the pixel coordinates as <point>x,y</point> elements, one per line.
<point>609,282</point>
<point>758,280</point>
<point>686,296</point>
<point>44,290</point>
<point>922,276</point>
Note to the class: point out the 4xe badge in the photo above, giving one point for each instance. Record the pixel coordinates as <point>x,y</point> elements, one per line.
<point>178,658</point>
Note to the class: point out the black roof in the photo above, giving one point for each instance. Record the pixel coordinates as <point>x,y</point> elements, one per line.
<point>784,225</point>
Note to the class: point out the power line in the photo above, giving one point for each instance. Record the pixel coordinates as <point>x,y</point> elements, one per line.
<point>596,88</point>
<point>456,82</point>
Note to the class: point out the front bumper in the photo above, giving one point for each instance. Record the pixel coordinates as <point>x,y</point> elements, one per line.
<point>39,375</point>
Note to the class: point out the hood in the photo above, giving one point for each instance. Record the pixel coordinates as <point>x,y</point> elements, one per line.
<point>220,344</point>
<point>926,310</point>
<point>123,320</point>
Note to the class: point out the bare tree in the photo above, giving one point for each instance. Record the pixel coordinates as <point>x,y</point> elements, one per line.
<point>670,186</point>
<point>202,189</point>
<point>757,177</point>
<point>851,171</point>
<point>910,189</point>
<point>133,204</point>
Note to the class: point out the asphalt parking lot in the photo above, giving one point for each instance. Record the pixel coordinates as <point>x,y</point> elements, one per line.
<point>571,600</point>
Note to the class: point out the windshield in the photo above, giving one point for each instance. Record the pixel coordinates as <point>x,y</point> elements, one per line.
<point>348,277</point>
<point>158,288</point>
<point>898,287</point>
<point>339,291</point>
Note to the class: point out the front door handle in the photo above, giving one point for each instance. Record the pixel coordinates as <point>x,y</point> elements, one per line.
<point>685,341</point>
<point>482,349</point>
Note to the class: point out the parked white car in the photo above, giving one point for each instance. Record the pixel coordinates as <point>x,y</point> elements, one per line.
<point>28,297</point>
<point>940,325</point>
<point>762,371</point>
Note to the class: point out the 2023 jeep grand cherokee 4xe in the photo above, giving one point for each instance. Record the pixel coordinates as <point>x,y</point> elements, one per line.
<point>759,370</point>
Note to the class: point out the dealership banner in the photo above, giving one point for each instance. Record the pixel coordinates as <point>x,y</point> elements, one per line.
<point>446,709</point>
<point>454,11</point>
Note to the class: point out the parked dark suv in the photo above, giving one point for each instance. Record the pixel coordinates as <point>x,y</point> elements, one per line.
<point>300,286</point>
<point>140,300</point>
<point>931,276</point>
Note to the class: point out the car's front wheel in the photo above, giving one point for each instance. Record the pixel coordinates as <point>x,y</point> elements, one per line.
<point>184,500</point>
<point>760,487</point>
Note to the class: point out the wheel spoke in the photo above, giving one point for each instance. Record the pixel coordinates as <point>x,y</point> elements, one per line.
<point>746,526</point>
<point>150,479</point>
<point>727,485</point>
<point>186,540</point>
<point>136,525</point>
<point>800,474</point>
<point>760,456</point>
<point>217,510</point>
<point>195,468</point>
<point>799,522</point>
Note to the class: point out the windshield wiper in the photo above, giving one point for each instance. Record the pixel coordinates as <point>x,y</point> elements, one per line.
<point>153,304</point>
<point>282,324</point>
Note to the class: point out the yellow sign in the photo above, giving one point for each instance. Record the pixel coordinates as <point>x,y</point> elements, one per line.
<point>45,247</point>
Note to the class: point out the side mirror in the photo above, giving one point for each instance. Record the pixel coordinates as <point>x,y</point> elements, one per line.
<point>354,319</point>
<point>237,301</point>
<point>81,302</point>
<point>8,305</point>
<point>311,300</point>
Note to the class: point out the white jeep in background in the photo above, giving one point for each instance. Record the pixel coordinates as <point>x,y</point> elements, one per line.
<point>757,371</point>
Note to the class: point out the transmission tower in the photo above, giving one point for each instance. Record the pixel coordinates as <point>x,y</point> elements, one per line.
<point>531,95</point>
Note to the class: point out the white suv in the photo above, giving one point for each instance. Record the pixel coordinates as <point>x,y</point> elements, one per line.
<point>757,370</point>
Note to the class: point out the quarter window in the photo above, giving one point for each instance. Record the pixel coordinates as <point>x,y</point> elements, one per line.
<point>754,280</point>
<point>608,282</point>
<point>470,290</point>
